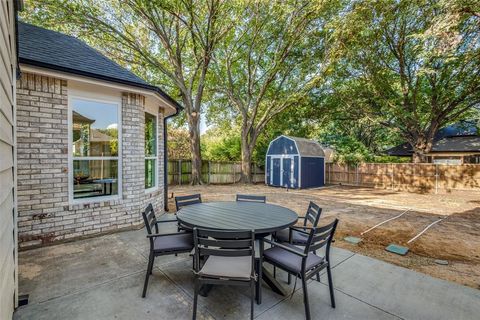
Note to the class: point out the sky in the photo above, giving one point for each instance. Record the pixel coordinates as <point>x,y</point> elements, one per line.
<point>104,114</point>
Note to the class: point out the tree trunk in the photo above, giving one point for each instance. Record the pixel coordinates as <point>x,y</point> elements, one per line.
<point>421,146</point>
<point>194,133</point>
<point>418,157</point>
<point>246,176</point>
<point>246,166</point>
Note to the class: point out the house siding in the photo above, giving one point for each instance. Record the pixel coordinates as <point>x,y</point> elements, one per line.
<point>8,247</point>
<point>45,214</point>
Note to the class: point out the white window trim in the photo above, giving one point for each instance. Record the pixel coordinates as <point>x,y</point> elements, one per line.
<point>155,187</point>
<point>119,158</point>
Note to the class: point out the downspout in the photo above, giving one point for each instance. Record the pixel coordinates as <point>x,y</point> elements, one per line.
<point>165,159</point>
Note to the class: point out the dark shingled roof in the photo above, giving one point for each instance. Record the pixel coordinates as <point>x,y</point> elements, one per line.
<point>54,50</point>
<point>459,137</point>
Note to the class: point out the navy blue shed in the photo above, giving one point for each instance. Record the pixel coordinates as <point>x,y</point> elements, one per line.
<point>295,163</point>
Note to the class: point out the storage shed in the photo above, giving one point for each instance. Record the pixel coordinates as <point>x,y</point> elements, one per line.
<point>295,163</point>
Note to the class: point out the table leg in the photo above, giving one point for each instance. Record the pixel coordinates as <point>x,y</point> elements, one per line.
<point>205,290</point>
<point>258,291</point>
<point>273,283</point>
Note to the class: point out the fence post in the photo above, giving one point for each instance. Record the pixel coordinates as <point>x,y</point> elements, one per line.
<point>330,173</point>
<point>180,172</point>
<point>209,172</point>
<point>392,178</point>
<point>436,178</point>
<point>234,173</point>
<point>356,173</point>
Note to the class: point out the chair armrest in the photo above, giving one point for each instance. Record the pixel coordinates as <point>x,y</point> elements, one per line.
<point>155,235</point>
<point>165,221</point>
<point>276,244</point>
<point>301,229</point>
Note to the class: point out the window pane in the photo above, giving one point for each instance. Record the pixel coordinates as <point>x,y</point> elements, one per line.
<point>150,135</point>
<point>94,127</point>
<point>150,173</point>
<point>95,178</point>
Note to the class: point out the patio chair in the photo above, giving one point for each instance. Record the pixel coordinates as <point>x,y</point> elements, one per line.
<point>162,244</point>
<point>183,201</point>
<point>250,198</point>
<point>305,264</point>
<point>230,260</point>
<point>292,236</point>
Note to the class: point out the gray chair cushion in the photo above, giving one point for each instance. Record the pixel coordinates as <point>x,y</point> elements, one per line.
<point>175,242</point>
<point>297,237</point>
<point>289,260</point>
<point>227,267</point>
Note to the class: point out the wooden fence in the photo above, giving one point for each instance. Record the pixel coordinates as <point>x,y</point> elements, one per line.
<point>213,172</point>
<point>423,177</point>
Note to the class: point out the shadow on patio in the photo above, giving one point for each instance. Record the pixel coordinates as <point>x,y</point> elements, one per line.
<point>102,278</point>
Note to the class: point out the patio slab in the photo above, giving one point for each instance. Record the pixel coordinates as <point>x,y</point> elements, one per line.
<point>118,299</point>
<point>403,292</point>
<point>347,307</point>
<point>102,278</point>
<point>55,271</point>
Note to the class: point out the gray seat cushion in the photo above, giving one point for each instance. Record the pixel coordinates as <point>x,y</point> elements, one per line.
<point>175,242</point>
<point>227,267</point>
<point>290,261</point>
<point>297,237</point>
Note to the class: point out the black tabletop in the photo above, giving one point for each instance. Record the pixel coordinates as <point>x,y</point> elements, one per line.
<point>260,217</point>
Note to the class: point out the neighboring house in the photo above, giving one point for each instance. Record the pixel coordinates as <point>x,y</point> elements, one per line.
<point>90,140</point>
<point>455,144</point>
<point>8,213</point>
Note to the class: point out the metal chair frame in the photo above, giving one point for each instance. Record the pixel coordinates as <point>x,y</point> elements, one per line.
<point>250,198</point>
<point>151,223</point>
<point>209,242</point>
<point>317,238</point>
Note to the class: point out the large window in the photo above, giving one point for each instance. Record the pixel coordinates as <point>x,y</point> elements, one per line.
<point>94,148</point>
<point>150,151</point>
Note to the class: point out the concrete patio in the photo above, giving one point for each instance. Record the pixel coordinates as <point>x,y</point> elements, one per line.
<point>102,278</point>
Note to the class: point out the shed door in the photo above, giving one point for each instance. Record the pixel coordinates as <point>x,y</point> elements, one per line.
<point>275,174</point>
<point>287,170</point>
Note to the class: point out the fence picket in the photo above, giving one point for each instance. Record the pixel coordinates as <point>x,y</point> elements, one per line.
<point>424,177</point>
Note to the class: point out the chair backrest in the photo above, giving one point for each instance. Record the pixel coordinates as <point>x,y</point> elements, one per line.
<point>313,214</point>
<point>320,237</point>
<point>183,201</point>
<point>210,242</point>
<point>251,198</point>
<point>150,219</point>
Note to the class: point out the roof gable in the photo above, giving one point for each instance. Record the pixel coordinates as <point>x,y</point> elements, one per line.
<point>58,49</point>
<point>54,50</point>
<point>301,146</point>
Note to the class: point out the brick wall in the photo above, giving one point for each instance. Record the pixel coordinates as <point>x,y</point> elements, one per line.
<point>45,214</point>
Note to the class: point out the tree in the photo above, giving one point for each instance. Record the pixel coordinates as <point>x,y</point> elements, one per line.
<point>221,145</point>
<point>178,143</point>
<point>413,66</point>
<point>271,61</point>
<point>171,42</point>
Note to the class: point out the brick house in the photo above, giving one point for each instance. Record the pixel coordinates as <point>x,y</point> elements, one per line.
<point>90,140</point>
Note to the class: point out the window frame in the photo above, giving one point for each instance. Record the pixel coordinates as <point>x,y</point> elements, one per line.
<point>155,187</point>
<point>71,158</point>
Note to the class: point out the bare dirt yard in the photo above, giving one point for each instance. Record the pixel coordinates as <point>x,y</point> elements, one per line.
<point>455,239</point>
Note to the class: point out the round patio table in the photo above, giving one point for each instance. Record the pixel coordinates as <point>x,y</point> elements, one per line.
<point>262,218</point>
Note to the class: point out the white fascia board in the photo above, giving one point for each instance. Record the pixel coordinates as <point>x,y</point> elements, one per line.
<point>166,105</point>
